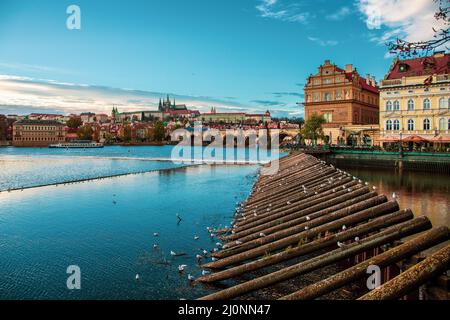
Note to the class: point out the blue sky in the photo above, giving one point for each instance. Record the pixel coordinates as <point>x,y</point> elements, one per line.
<point>236,55</point>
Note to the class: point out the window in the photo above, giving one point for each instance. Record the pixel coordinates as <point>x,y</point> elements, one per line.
<point>338,94</point>
<point>328,117</point>
<point>410,125</point>
<point>396,125</point>
<point>389,106</point>
<point>396,105</point>
<point>426,104</point>
<point>426,124</point>
<point>441,124</point>
<point>328,96</point>
<point>410,105</point>
<point>388,125</point>
<point>442,104</point>
<point>448,125</point>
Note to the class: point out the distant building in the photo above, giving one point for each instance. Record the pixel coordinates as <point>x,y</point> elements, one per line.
<point>167,106</point>
<point>415,99</point>
<point>88,117</point>
<point>47,116</point>
<point>37,133</point>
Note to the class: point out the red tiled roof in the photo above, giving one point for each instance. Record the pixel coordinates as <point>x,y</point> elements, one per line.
<point>416,67</point>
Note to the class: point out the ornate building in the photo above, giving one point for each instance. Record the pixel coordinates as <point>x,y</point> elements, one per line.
<point>38,133</point>
<point>167,106</point>
<point>348,102</point>
<point>415,100</point>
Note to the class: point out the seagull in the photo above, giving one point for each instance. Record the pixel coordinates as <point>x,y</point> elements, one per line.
<point>219,244</point>
<point>179,218</point>
<point>137,276</point>
<point>156,234</point>
<point>306,227</point>
<point>344,228</point>
<point>288,203</point>
<point>340,244</point>
<point>394,196</point>
<point>212,235</point>
<point>238,242</point>
<point>308,218</point>
<point>205,252</point>
<point>198,257</point>
<point>356,239</point>
<point>213,259</point>
<point>190,278</point>
<point>215,250</point>
<point>262,234</point>
<point>374,188</point>
<point>196,237</point>
<point>204,272</point>
<point>155,246</point>
<point>173,253</point>
<point>181,268</point>
<point>255,214</point>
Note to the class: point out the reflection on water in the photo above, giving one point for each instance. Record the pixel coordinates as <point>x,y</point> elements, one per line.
<point>423,192</point>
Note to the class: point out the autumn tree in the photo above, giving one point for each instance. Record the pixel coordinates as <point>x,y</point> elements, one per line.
<point>159,132</point>
<point>85,132</point>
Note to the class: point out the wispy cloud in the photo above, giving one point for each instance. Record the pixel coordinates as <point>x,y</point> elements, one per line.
<point>284,94</point>
<point>323,43</point>
<point>24,95</point>
<point>412,20</point>
<point>268,103</point>
<point>339,14</point>
<point>15,67</point>
<point>276,9</point>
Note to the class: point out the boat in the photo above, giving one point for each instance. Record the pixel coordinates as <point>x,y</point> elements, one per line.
<point>77,144</point>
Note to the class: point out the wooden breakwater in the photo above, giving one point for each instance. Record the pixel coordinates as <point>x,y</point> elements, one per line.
<point>309,216</point>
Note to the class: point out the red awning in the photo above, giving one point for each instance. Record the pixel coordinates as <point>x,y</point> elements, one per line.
<point>441,139</point>
<point>389,139</point>
<point>414,138</point>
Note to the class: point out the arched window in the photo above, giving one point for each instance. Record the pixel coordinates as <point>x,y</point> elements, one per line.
<point>426,104</point>
<point>442,104</point>
<point>426,124</point>
<point>396,105</point>
<point>410,124</point>
<point>396,125</point>
<point>442,124</point>
<point>389,106</point>
<point>389,125</point>
<point>410,105</point>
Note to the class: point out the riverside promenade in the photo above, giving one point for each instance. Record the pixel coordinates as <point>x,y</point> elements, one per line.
<point>313,231</point>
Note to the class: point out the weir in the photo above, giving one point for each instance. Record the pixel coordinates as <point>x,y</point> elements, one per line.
<point>311,215</point>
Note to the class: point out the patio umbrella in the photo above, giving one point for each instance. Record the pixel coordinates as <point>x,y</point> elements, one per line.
<point>390,139</point>
<point>414,138</point>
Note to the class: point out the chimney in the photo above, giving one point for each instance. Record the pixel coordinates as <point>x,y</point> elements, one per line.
<point>327,62</point>
<point>348,68</point>
<point>368,79</point>
<point>374,82</point>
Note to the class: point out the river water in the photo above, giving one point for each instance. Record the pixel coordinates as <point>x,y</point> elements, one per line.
<point>106,226</point>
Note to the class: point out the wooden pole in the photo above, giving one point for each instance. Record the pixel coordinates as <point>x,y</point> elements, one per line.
<point>412,278</point>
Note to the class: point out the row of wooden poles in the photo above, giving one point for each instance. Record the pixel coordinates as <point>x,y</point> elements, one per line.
<point>309,209</point>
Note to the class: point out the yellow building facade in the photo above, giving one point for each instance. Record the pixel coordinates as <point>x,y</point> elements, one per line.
<point>415,100</point>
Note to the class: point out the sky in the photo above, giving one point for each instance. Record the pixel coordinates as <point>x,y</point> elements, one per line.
<point>235,55</point>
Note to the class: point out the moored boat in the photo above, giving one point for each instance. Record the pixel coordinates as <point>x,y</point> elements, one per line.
<point>77,144</point>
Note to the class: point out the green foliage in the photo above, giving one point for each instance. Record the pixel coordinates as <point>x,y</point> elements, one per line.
<point>312,130</point>
<point>74,123</point>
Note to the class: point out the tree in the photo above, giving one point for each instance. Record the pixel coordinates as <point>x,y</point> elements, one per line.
<point>126,133</point>
<point>406,49</point>
<point>74,122</point>
<point>312,130</point>
<point>159,133</point>
<point>85,132</point>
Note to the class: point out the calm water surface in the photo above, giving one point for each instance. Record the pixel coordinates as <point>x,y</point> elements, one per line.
<point>424,193</point>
